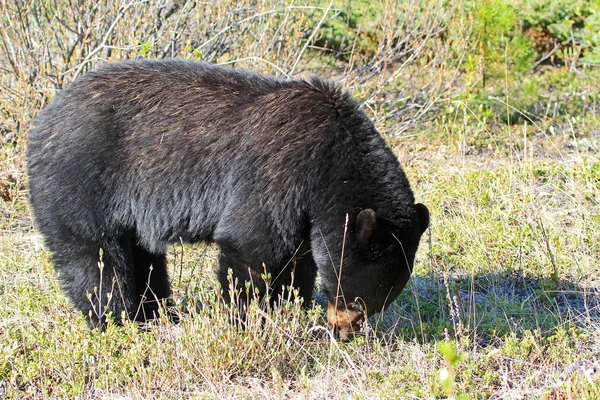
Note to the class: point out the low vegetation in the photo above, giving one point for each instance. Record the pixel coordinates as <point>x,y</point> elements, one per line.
<point>492,108</point>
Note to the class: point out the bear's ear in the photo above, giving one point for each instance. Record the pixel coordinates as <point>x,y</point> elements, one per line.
<point>423,216</point>
<point>365,224</point>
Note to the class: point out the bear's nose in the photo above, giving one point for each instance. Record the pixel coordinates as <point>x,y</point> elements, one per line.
<point>344,322</point>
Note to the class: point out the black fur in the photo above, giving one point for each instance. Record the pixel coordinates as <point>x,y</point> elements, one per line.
<point>137,155</point>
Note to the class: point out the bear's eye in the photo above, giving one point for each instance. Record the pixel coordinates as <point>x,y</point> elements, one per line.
<point>377,253</point>
<point>379,250</point>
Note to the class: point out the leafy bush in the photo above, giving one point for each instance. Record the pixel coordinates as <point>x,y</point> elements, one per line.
<point>498,44</point>
<point>351,29</point>
<point>574,25</point>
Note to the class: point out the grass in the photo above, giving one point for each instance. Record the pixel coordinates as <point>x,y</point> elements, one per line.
<point>504,301</point>
<point>508,277</point>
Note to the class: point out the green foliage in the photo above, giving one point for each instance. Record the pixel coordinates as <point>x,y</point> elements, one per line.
<point>352,27</point>
<point>448,374</point>
<point>146,48</point>
<point>575,24</point>
<point>503,48</point>
<point>499,48</point>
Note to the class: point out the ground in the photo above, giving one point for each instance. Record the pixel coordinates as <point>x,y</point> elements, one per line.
<point>507,275</point>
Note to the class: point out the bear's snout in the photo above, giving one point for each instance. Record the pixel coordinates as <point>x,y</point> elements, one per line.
<point>344,321</point>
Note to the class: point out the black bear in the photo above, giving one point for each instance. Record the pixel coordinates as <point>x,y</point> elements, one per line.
<point>287,175</point>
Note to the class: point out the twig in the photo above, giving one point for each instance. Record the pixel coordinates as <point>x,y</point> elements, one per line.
<point>550,252</point>
<point>253,58</point>
<point>112,27</point>
<point>311,37</point>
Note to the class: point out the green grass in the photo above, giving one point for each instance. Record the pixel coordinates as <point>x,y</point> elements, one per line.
<point>508,274</point>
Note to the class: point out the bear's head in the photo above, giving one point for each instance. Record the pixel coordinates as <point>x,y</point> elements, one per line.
<point>375,263</point>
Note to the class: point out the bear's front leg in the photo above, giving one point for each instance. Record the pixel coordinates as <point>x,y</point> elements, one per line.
<point>98,278</point>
